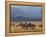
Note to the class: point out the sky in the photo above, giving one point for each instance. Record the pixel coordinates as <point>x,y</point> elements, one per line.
<point>26,11</point>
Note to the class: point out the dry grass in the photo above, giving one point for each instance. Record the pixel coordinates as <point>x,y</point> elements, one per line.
<point>19,29</point>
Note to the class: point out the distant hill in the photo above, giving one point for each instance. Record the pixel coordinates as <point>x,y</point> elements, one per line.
<point>21,18</point>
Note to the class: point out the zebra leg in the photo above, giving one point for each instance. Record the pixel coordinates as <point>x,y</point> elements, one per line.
<point>22,27</point>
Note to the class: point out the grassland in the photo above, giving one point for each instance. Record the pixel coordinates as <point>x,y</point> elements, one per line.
<point>19,29</point>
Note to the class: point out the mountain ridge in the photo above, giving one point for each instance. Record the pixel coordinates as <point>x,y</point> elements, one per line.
<point>21,18</point>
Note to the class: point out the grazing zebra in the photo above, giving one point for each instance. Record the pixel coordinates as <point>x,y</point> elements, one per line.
<point>25,26</point>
